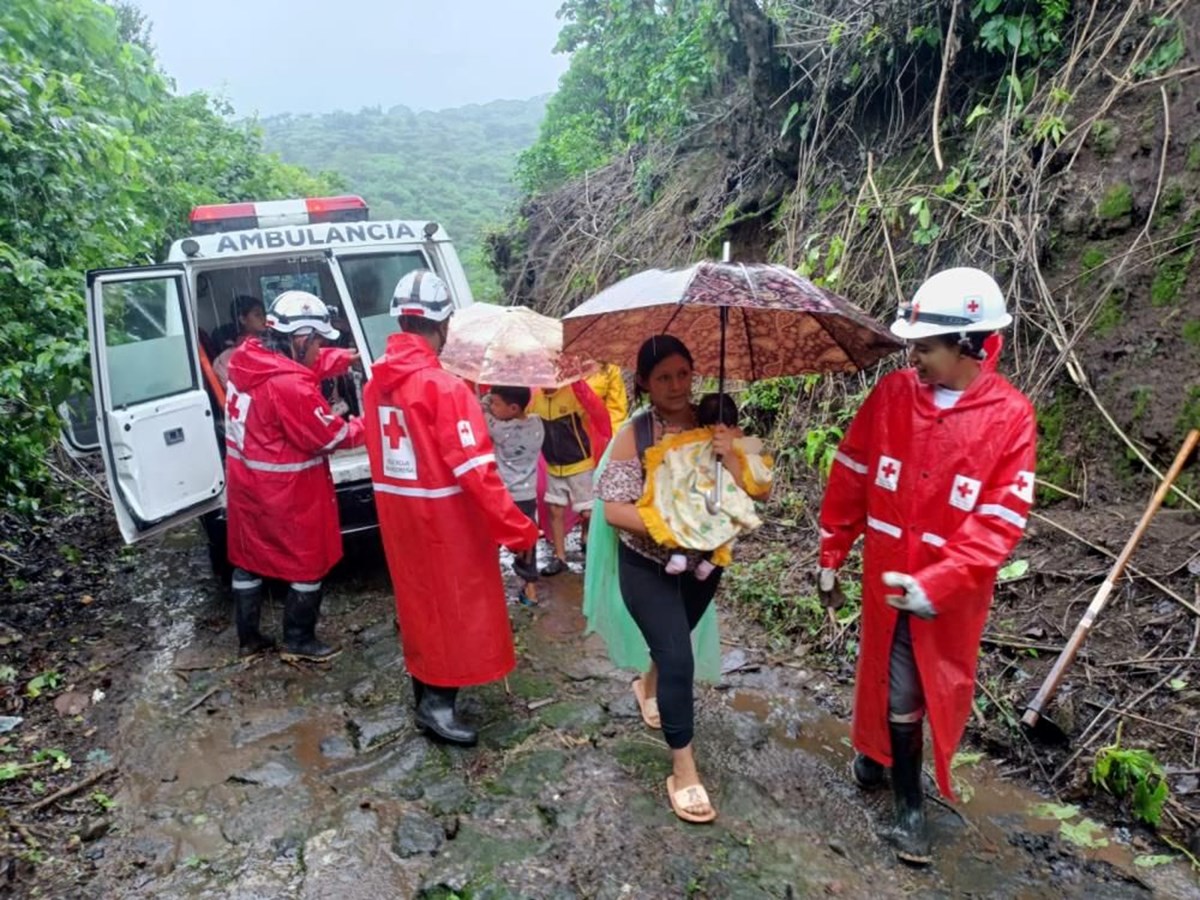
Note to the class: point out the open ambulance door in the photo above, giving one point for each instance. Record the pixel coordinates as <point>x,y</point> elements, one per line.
<point>155,421</point>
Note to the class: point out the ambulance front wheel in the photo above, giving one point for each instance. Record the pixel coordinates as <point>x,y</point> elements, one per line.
<point>215,534</point>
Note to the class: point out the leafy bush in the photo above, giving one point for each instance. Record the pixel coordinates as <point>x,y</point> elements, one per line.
<point>1122,770</point>
<point>637,72</point>
<point>99,164</point>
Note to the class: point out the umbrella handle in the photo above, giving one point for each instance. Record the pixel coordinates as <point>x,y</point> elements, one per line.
<point>712,500</point>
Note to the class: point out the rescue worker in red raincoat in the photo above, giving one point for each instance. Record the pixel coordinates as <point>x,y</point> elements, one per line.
<point>937,471</point>
<point>281,506</point>
<point>443,509</point>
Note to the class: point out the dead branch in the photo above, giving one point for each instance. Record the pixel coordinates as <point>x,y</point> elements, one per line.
<point>70,790</point>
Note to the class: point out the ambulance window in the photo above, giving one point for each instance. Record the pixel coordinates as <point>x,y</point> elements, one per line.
<point>271,286</point>
<point>146,350</point>
<point>371,280</point>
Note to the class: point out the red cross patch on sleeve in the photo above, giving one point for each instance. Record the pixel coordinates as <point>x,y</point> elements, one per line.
<point>1023,486</point>
<point>466,436</point>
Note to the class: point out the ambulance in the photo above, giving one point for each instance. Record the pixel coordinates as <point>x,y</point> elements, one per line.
<point>156,414</point>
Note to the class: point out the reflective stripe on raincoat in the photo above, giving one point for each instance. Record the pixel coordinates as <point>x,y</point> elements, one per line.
<point>279,431</point>
<point>942,495</point>
<point>442,512</point>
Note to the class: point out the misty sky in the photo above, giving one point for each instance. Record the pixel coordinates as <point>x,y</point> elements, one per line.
<point>275,56</point>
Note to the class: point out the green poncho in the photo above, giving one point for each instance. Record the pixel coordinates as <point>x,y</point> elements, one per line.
<point>605,610</point>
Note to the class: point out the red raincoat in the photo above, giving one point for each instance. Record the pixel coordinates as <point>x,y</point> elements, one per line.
<point>442,511</point>
<point>941,495</point>
<point>279,495</point>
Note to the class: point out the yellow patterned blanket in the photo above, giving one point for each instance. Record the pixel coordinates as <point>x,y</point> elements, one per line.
<point>680,474</point>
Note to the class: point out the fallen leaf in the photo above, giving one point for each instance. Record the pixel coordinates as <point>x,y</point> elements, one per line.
<point>1055,811</point>
<point>1149,861</point>
<point>87,599</point>
<point>1037,632</point>
<point>71,703</point>
<point>965,759</point>
<point>1085,833</point>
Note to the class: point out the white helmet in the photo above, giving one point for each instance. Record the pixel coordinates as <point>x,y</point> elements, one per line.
<point>300,313</point>
<point>953,301</point>
<point>422,293</point>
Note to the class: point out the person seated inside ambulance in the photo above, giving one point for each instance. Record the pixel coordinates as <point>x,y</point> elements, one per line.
<point>249,320</point>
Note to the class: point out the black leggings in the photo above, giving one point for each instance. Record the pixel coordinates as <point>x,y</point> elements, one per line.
<point>666,608</point>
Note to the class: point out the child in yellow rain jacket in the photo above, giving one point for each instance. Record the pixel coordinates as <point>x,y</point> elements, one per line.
<point>680,476</point>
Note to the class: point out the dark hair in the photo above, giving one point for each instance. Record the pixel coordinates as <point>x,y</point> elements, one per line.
<point>277,342</point>
<point>717,409</point>
<point>244,304</point>
<point>969,342</point>
<point>514,396</point>
<point>653,352</point>
<point>419,325</point>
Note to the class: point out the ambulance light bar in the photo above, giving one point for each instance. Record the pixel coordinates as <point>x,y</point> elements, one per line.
<point>277,213</point>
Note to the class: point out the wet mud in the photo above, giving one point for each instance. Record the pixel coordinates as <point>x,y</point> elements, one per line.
<point>263,779</point>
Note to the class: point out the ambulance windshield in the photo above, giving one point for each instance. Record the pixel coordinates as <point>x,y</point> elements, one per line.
<point>371,278</point>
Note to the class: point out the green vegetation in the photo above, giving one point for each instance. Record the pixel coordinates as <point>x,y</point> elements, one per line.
<point>1191,332</point>
<point>1116,203</point>
<point>1105,137</point>
<point>639,71</point>
<point>454,166</point>
<point>1193,156</point>
<point>1054,465</point>
<point>1171,272</point>
<point>100,163</point>
<point>1133,773</point>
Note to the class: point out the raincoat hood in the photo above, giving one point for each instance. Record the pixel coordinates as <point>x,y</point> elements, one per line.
<point>406,354</point>
<point>252,364</point>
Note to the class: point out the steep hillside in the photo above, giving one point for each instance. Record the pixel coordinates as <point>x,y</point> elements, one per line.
<point>1056,144</point>
<point>453,165</point>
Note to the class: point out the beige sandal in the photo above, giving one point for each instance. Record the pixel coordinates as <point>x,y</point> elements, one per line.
<point>648,705</point>
<point>690,798</point>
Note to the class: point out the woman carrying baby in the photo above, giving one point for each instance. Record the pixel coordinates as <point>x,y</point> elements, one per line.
<point>666,607</point>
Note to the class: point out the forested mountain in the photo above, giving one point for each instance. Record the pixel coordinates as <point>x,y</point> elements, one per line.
<point>452,165</point>
<point>100,163</point>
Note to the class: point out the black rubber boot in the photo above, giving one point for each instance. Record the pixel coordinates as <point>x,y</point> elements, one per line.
<point>418,690</point>
<point>868,774</point>
<point>908,834</point>
<point>247,611</point>
<point>435,713</point>
<point>300,612</point>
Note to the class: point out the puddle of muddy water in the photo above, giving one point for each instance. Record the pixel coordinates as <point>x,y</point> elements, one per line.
<point>995,807</point>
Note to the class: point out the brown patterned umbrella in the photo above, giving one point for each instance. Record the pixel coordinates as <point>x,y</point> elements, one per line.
<point>771,321</point>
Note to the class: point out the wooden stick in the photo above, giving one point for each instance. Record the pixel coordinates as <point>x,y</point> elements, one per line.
<point>187,709</point>
<point>947,59</point>
<point>1050,686</point>
<point>68,791</point>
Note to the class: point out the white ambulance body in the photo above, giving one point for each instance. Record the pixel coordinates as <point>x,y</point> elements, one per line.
<point>155,331</point>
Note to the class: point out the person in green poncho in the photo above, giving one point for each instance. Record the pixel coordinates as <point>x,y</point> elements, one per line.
<point>670,612</point>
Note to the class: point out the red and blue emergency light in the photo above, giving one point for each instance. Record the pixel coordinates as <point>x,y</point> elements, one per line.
<point>219,217</point>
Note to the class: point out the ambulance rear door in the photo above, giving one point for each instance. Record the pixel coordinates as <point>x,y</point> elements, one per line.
<point>155,420</point>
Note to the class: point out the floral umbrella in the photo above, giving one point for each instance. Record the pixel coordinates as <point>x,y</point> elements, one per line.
<point>510,345</point>
<point>739,320</point>
<point>742,320</point>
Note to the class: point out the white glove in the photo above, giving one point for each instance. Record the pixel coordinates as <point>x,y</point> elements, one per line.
<point>828,578</point>
<point>914,599</point>
<point>828,589</point>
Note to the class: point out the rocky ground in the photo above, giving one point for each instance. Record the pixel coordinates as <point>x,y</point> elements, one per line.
<point>207,777</point>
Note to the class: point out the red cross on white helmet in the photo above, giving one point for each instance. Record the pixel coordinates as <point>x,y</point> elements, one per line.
<point>299,312</point>
<point>952,302</point>
<point>422,293</point>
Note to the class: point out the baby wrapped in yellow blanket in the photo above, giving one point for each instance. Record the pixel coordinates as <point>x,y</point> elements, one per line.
<point>680,473</point>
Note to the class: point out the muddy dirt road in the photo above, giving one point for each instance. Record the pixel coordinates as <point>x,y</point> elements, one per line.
<point>267,780</point>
